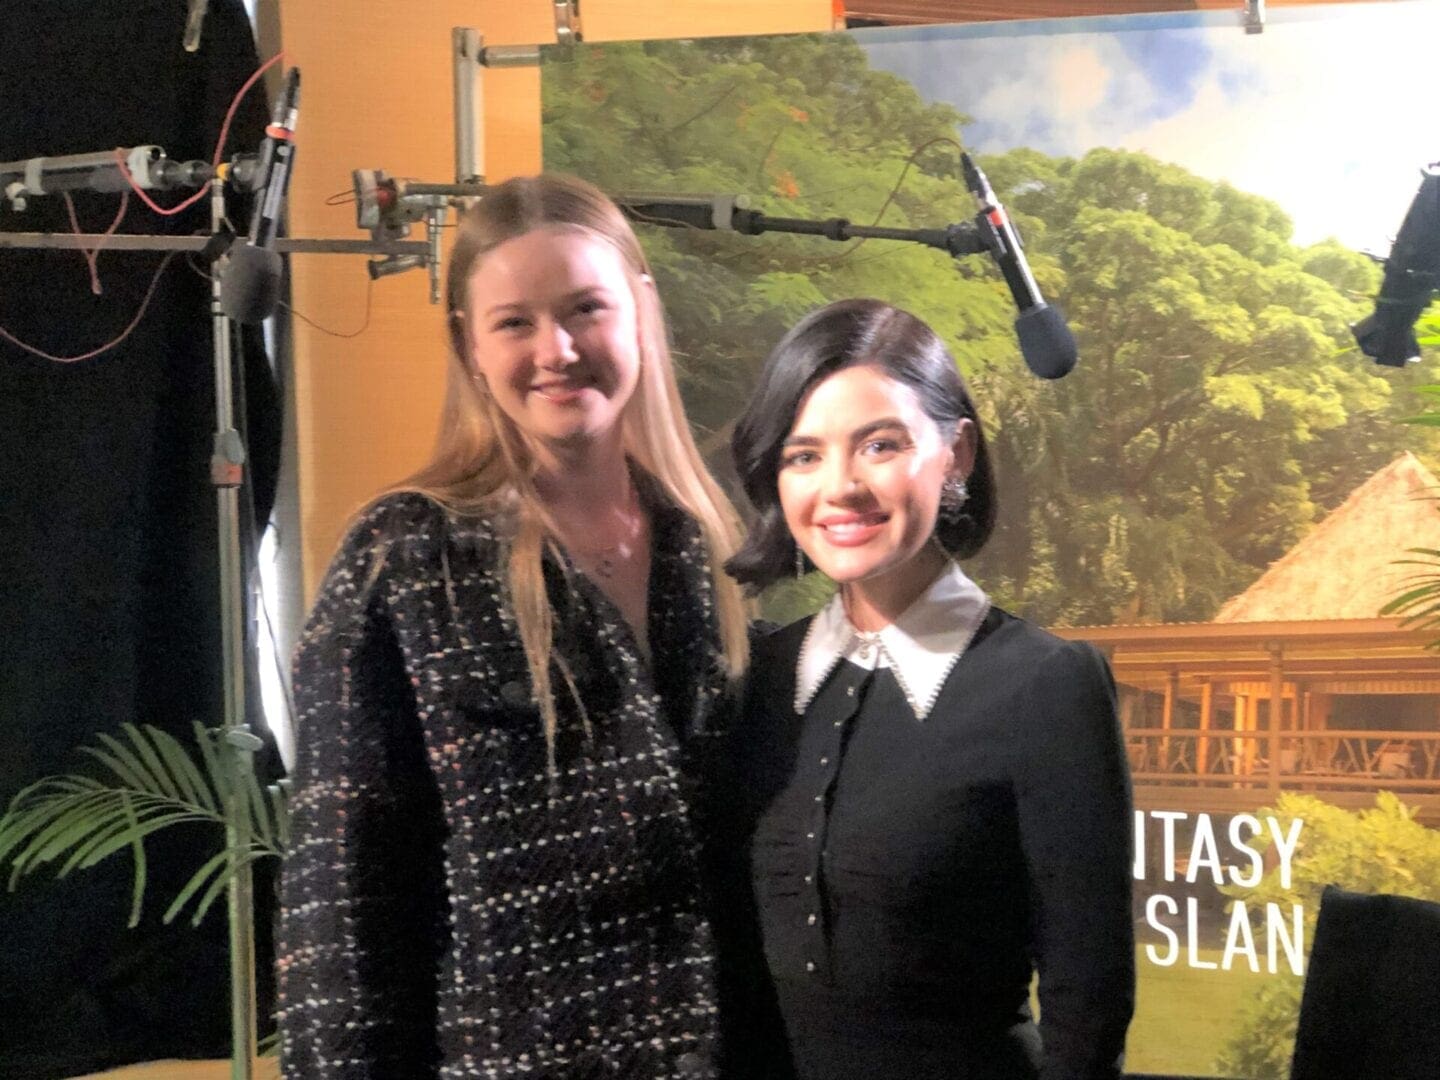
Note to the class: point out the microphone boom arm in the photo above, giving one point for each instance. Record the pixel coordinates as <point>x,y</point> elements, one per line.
<point>730,213</point>
<point>1046,343</point>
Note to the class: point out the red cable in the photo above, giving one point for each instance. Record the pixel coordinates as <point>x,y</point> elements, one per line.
<point>167,211</point>
<point>92,253</point>
<point>219,146</point>
<point>144,305</point>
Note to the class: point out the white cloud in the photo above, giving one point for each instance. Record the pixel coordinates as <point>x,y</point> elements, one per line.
<point>1302,116</point>
<point>1082,78</point>
<point>1330,113</point>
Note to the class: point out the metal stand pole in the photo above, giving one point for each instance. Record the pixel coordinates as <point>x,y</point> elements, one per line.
<point>238,743</point>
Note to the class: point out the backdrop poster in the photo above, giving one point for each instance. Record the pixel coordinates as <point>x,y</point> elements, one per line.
<point>1217,495</point>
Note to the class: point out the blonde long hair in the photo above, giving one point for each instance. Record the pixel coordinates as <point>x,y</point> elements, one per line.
<point>482,465</point>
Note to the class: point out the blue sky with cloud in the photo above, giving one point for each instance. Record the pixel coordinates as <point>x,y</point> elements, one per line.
<point>1330,112</point>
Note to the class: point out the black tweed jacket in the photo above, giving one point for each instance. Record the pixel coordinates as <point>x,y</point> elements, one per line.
<point>449,908</point>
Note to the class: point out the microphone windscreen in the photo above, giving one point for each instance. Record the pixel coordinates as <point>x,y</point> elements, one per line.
<point>1046,342</point>
<point>250,287</point>
<point>1388,336</point>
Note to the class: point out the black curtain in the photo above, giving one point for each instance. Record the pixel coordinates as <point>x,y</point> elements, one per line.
<point>109,591</point>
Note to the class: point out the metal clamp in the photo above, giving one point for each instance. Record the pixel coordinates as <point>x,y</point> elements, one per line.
<point>506,56</point>
<point>1254,16</point>
<point>567,23</point>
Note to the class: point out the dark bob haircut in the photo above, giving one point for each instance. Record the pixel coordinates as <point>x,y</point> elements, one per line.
<point>848,333</point>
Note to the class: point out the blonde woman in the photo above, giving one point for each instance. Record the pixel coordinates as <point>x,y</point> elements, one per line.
<point>515,663</point>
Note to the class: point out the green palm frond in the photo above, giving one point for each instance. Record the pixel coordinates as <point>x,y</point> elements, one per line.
<point>72,822</point>
<point>1419,602</point>
<point>1427,328</point>
<point>1431,394</point>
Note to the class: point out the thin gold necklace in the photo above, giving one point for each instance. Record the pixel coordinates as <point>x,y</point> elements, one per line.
<point>603,561</point>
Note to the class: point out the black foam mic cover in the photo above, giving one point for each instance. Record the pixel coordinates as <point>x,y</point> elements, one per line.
<point>250,287</point>
<point>1046,342</point>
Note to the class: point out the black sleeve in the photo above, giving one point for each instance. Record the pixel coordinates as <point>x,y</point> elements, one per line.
<point>362,887</point>
<point>753,1044</point>
<point>1074,806</point>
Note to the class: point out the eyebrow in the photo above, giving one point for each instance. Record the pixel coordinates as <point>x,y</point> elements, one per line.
<point>859,434</point>
<point>571,297</point>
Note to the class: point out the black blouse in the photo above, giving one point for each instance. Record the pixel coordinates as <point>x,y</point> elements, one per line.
<point>912,875</point>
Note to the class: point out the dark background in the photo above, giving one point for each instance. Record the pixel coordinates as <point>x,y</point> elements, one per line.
<point>109,608</point>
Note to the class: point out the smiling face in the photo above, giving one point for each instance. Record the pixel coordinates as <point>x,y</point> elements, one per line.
<point>551,329</point>
<point>860,478</point>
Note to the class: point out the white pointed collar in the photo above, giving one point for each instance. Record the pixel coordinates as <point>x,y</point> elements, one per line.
<point>922,645</point>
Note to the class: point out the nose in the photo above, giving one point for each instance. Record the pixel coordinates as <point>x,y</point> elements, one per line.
<point>841,480</point>
<point>554,345</point>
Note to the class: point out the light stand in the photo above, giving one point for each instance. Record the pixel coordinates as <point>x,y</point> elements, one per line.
<point>237,743</point>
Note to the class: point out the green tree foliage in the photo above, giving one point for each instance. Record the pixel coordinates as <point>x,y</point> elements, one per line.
<point>1219,408</point>
<point>1382,849</point>
<point>804,128</point>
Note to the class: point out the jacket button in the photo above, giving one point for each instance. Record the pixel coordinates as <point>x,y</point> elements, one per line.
<point>590,1065</point>
<point>692,1064</point>
<point>515,695</point>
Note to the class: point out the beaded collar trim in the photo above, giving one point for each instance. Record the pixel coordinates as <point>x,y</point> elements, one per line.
<point>922,646</point>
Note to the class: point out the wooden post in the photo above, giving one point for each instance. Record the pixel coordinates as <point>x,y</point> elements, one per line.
<point>1239,757</point>
<point>1167,718</point>
<point>1202,742</point>
<point>1277,708</point>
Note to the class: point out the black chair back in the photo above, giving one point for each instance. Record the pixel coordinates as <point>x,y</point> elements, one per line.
<point>1371,1003</point>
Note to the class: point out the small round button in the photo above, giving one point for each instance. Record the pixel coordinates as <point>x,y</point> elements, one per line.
<point>810,965</point>
<point>692,1063</point>
<point>810,919</point>
<point>515,695</point>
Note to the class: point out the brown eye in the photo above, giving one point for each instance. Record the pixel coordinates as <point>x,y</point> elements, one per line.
<point>798,459</point>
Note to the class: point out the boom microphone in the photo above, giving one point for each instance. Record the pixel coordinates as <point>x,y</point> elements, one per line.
<point>1412,276</point>
<point>1045,340</point>
<point>250,288</point>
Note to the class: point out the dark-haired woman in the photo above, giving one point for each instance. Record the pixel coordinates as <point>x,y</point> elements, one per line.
<point>934,791</point>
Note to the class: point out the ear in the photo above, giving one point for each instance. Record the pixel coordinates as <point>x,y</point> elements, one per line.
<point>459,329</point>
<point>964,448</point>
<point>646,294</point>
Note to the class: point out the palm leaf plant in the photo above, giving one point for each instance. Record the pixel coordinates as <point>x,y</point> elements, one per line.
<point>149,782</point>
<point>1420,602</point>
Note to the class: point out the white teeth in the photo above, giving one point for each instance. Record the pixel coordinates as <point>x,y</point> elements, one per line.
<point>848,529</point>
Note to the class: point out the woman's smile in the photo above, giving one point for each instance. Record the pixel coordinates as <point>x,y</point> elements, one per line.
<point>851,530</point>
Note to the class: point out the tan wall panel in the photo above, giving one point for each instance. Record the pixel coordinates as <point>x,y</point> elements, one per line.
<point>377,94</point>
<point>631,20</point>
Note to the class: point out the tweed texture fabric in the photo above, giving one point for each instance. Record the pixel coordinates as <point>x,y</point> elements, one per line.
<point>453,909</point>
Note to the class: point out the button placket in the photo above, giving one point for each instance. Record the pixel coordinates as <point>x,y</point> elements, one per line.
<point>829,759</point>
